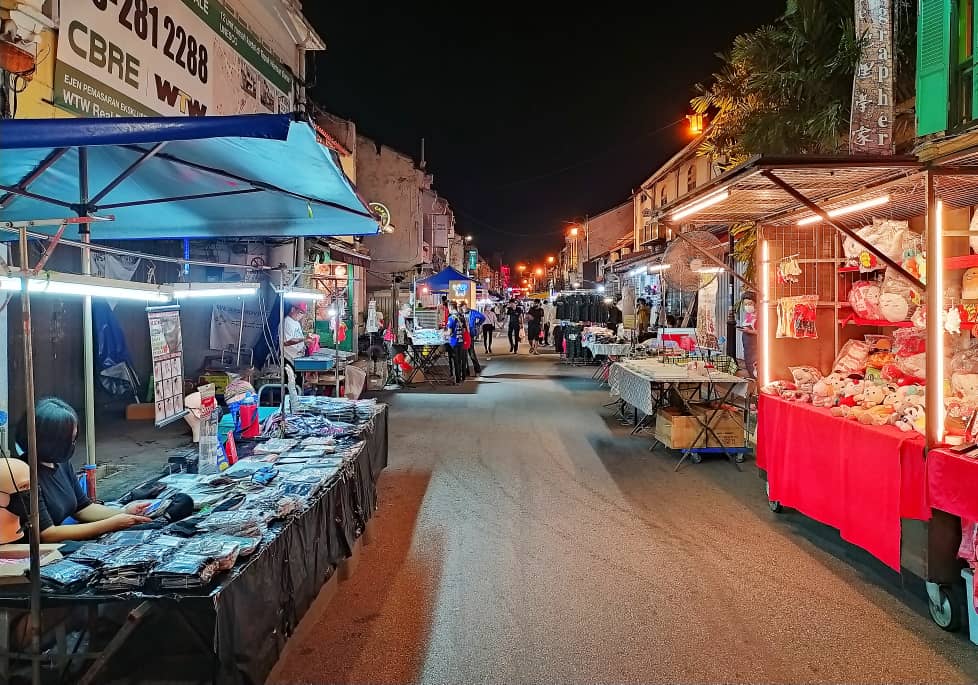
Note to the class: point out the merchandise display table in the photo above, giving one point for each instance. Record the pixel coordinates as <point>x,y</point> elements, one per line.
<point>431,361</point>
<point>237,628</point>
<point>645,385</point>
<point>858,479</point>
<point>952,483</point>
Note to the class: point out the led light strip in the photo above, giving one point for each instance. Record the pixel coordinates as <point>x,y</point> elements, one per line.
<point>716,198</point>
<point>53,283</point>
<point>851,209</point>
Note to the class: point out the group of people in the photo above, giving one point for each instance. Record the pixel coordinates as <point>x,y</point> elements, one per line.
<point>464,325</point>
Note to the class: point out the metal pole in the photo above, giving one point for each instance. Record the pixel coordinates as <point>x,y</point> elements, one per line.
<point>35,523</point>
<point>88,346</point>
<point>732,312</point>
<point>336,341</point>
<point>281,342</point>
<point>237,359</point>
<point>935,330</point>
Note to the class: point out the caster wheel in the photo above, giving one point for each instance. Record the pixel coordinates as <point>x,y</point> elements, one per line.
<point>740,458</point>
<point>947,613</point>
<point>773,504</point>
<point>696,458</point>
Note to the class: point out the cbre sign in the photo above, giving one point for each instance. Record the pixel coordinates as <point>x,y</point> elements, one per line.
<point>164,57</point>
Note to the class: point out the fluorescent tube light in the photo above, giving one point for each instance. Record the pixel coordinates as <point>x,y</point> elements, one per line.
<point>842,211</point>
<point>713,199</point>
<point>657,268</point>
<point>54,283</point>
<point>193,290</point>
<point>709,270</point>
<point>304,294</point>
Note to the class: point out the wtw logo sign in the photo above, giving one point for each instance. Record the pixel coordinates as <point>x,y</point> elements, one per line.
<point>172,95</point>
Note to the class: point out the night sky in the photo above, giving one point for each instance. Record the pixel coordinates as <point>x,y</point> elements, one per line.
<point>530,120</point>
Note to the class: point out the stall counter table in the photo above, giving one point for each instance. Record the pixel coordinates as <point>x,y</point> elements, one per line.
<point>858,479</point>
<point>952,483</point>
<point>239,626</point>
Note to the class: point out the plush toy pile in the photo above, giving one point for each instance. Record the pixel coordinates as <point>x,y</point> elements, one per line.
<point>876,381</point>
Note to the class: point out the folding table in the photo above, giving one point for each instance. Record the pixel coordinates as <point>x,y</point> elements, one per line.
<point>649,385</point>
<point>426,360</point>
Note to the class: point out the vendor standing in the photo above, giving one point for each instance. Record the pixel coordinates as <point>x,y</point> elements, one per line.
<point>61,495</point>
<point>293,337</point>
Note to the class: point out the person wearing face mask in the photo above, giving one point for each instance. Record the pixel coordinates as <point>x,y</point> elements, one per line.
<point>61,495</point>
<point>15,481</point>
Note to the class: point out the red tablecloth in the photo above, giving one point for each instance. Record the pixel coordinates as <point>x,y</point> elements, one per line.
<point>952,483</point>
<point>859,479</point>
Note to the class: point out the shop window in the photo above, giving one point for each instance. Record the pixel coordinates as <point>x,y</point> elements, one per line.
<point>662,197</point>
<point>691,177</point>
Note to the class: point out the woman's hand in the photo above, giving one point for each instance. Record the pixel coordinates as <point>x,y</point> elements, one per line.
<point>137,508</point>
<point>123,521</point>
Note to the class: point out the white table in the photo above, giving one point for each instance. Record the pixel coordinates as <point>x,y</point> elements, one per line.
<point>644,384</point>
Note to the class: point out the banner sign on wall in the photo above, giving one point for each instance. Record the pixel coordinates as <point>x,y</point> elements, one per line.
<point>871,130</point>
<point>172,58</point>
<point>226,326</point>
<point>166,343</point>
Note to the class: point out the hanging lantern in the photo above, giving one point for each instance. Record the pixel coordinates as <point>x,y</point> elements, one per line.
<point>696,123</point>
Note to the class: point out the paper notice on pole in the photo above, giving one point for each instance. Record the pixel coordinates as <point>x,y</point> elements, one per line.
<point>166,343</point>
<point>706,315</point>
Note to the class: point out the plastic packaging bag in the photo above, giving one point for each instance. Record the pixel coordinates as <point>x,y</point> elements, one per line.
<point>852,357</point>
<point>805,377</point>
<point>796,316</point>
<point>864,297</point>
<point>886,235</point>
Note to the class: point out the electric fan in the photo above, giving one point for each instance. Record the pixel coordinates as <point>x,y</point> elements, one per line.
<point>685,264</point>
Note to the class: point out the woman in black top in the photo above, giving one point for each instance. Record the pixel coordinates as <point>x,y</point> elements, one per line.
<point>61,496</point>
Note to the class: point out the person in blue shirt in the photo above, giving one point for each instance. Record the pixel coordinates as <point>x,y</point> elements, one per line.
<point>455,327</point>
<point>474,319</point>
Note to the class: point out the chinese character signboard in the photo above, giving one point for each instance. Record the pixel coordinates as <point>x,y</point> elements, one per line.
<point>871,131</point>
<point>473,260</point>
<point>172,58</point>
<point>166,343</point>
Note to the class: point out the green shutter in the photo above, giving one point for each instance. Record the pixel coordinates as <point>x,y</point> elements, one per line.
<point>933,66</point>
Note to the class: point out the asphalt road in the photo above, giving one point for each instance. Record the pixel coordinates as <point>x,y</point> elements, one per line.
<point>524,537</point>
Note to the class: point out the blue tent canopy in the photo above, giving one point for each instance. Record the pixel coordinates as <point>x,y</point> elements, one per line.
<point>255,175</point>
<point>439,281</point>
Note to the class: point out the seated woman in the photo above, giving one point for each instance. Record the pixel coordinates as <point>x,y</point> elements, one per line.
<point>61,496</point>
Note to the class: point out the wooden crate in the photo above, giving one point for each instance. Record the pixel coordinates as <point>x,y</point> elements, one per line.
<point>678,430</point>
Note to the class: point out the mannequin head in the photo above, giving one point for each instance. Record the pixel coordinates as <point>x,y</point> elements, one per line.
<point>14,478</point>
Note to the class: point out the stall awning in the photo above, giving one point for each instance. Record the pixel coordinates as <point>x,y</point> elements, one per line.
<point>339,252</point>
<point>206,177</point>
<point>750,192</point>
<point>634,259</point>
<point>439,281</point>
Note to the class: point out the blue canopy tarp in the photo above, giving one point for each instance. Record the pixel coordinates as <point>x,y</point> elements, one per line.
<point>439,281</point>
<point>255,175</point>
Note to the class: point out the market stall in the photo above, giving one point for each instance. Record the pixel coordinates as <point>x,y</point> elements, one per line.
<point>867,302</point>
<point>61,178</point>
<point>234,583</point>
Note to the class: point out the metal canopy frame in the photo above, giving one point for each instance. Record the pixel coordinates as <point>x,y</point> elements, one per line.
<point>778,191</point>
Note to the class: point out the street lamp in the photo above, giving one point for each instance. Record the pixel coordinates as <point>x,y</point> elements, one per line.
<point>468,239</point>
<point>539,271</point>
<point>550,259</point>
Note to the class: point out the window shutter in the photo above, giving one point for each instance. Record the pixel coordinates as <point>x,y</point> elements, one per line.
<point>974,61</point>
<point>933,66</point>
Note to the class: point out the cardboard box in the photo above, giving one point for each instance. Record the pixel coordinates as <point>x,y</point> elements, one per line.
<point>728,425</point>
<point>679,430</point>
<point>144,411</point>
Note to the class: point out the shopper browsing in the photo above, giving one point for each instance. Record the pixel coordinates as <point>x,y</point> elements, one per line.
<point>455,327</point>
<point>474,321</point>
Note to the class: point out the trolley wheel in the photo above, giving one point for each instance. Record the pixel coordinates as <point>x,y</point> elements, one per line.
<point>695,457</point>
<point>947,614</point>
<point>740,457</point>
<point>773,504</point>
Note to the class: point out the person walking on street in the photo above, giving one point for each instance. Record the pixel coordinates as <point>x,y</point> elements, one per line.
<point>514,313</point>
<point>488,329</point>
<point>534,326</point>
<point>455,327</point>
<point>549,319</point>
<point>473,320</point>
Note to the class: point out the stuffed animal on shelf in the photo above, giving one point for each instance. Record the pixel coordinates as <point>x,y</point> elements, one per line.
<point>913,418</point>
<point>871,396</point>
<point>826,392</point>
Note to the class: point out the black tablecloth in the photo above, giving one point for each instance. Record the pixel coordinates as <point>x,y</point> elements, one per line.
<point>248,617</point>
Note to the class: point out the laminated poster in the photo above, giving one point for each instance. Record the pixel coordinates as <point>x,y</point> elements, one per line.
<point>166,342</point>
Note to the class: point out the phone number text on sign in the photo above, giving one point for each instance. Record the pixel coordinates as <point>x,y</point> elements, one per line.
<point>174,41</point>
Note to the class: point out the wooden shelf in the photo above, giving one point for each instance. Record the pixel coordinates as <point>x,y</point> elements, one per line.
<point>848,269</point>
<point>871,323</point>
<point>965,262</point>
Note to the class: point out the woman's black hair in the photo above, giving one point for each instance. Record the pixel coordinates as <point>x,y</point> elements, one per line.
<point>56,422</point>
